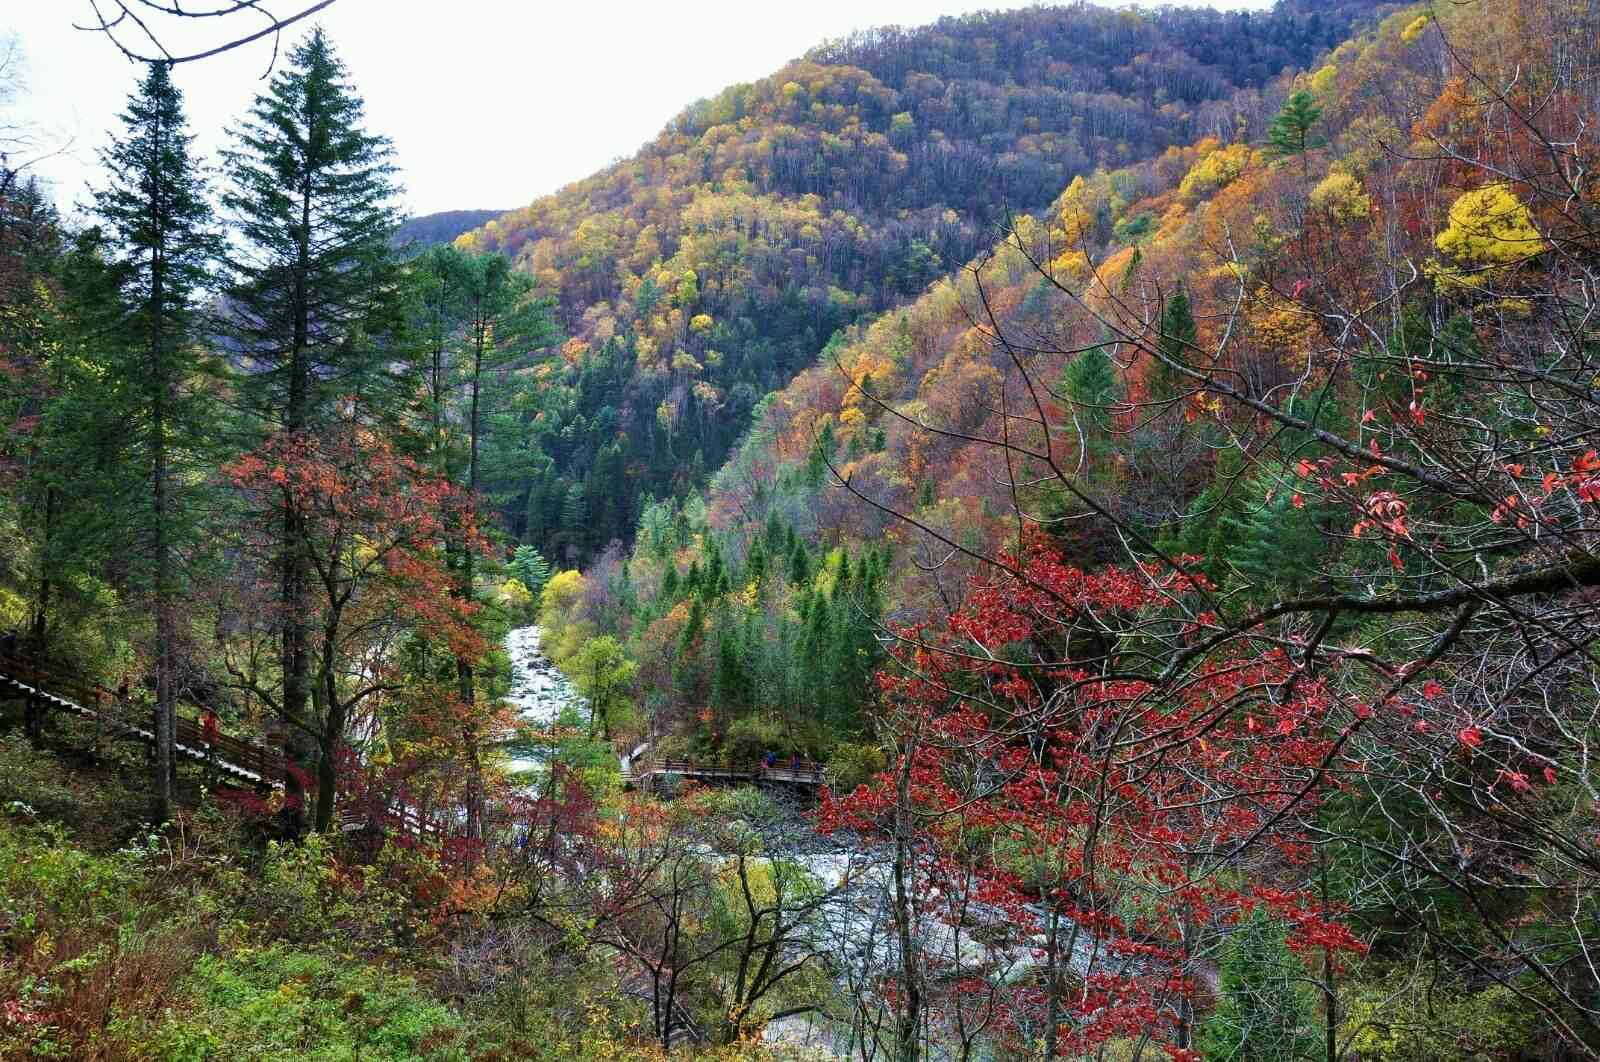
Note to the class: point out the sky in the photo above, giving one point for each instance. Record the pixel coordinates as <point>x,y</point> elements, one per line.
<point>489,103</point>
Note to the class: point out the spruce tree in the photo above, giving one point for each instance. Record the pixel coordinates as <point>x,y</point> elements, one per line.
<point>799,564</point>
<point>315,290</point>
<point>755,562</point>
<point>159,221</point>
<point>1090,382</point>
<point>1175,345</point>
<point>316,282</point>
<point>1290,132</point>
<point>531,568</point>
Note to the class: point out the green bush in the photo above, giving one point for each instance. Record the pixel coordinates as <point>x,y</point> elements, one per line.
<point>26,777</point>
<point>852,765</point>
<point>751,738</point>
<point>275,1003</point>
<point>1401,1018</point>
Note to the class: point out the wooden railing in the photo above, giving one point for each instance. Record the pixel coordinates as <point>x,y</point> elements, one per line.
<point>238,758</point>
<point>63,690</point>
<point>805,772</point>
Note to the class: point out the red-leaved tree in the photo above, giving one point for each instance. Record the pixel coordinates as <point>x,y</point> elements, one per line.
<point>373,522</point>
<point>1107,817</point>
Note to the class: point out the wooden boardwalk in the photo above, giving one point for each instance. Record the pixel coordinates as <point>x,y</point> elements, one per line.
<point>648,774</point>
<point>239,761</point>
<point>232,758</point>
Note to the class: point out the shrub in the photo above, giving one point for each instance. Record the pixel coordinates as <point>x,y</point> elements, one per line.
<point>277,1003</point>
<point>853,765</point>
<point>751,738</point>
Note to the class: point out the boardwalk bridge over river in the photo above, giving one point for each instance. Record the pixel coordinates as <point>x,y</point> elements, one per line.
<point>658,775</point>
<point>115,716</point>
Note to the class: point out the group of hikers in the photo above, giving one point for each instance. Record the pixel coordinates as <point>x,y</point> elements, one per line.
<point>770,761</point>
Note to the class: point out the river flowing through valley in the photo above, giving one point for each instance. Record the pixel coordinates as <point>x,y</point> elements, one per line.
<point>855,930</point>
<point>539,690</point>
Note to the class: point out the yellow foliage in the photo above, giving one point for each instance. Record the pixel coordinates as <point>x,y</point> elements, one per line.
<point>701,322</point>
<point>1323,79</point>
<point>514,595</point>
<point>1340,195</point>
<point>1280,326</point>
<point>1490,229</point>
<point>1215,169</point>
<point>1076,212</point>
<point>1414,30</point>
<point>573,350</point>
<point>1070,267</point>
<point>1490,226</point>
<point>561,592</point>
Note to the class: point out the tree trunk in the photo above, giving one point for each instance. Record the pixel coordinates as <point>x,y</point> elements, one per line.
<point>39,624</point>
<point>909,1022</point>
<point>296,568</point>
<point>1052,1013</point>
<point>166,722</point>
<point>38,630</point>
<point>333,716</point>
<point>1330,996</point>
<point>475,790</point>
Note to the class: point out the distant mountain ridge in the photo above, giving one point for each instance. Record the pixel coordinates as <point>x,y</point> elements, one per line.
<point>443,226</point>
<point>705,271</point>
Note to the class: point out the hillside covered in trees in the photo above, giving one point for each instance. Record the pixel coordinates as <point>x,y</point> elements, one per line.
<point>712,266</point>
<point>1166,629</point>
<point>1299,408</point>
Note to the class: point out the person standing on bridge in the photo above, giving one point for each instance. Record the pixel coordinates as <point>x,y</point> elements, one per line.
<point>208,733</point>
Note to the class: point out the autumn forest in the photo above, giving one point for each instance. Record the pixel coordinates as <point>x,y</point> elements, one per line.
<point>1062,533</point>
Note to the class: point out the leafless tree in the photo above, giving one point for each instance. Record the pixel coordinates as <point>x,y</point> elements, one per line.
<point>139,28</point>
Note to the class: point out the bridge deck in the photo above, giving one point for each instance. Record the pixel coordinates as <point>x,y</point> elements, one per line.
<point>803,773</point>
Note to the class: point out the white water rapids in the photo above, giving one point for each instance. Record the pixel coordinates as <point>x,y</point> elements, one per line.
<point>856,930</point>
<point>538,688</point>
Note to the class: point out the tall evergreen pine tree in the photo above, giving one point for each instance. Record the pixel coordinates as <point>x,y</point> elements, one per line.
<point>1175,344</point>
<point>311,197</point>
<point>160,227</point>
<point>1290,133</point>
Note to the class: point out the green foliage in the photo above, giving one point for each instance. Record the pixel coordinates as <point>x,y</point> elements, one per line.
<point>1268,538</point>
<point>531,569</point>
<point>1290,133</point>
<point>1090,381</point>
<point>604,675</point>
<point>1175,344</point>
<point>273,1003</point>
<point>1410,1016</point>
<point>1266,1012</point>
<point>310,194</point>
<point>850,765</point>
<point>751,738</point>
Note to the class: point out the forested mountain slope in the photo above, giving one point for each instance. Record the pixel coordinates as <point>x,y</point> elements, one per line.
<point>706,270</point>
<point>1244,505</point>
<point>443,226</point>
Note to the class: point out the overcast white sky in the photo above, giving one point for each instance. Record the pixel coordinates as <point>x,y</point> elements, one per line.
<point>490,103</point>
